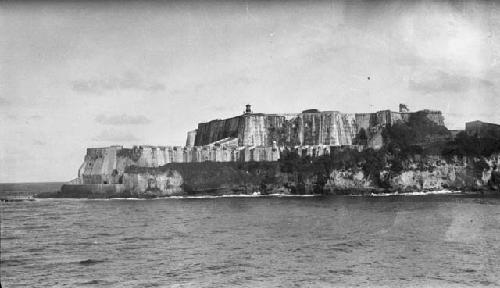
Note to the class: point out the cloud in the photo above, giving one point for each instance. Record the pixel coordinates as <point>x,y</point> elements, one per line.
<point>38,142</point>
<point>445,82</point>
<point>36,117</point>
<point>4,102</point>
<point>221,108</point>
<point>122,119</point>
<point>127,81</point>
<point>115,136</point>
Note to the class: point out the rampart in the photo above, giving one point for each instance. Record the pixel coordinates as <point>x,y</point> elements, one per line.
<point>311,127</point>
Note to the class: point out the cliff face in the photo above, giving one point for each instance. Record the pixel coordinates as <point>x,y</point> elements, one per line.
<point>344,180</point>
<point>153,183</point>
<point>191,138</point>
<point>431,173</point>
<point>217,129</point>
<point>434,173</point>
<point>441,177</point>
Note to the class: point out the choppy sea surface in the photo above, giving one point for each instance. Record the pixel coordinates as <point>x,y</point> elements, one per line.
<point>393,241</point>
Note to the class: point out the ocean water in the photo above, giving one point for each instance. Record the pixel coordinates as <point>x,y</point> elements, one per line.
<point>393,241</point>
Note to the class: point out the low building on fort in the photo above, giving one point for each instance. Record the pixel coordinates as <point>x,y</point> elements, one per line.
<point>482,129</point>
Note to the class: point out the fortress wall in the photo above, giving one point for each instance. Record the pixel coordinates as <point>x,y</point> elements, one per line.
<point>314,128</point>
<point>95,152</point>
<point>95,173</point>
<point>122,163</point>
<point>162,156</point>
<point>86,169</point>
<point>363,120</point>
<point>406,116</point>
<point>154,156</point>
<point>309,128</point>
<point>383,118</point>
<point>435,116</point>
<point>146,158</point>
<point>275,129</point>
<point>195,157</point>
<point>177,154</point>
<point>191,138</point>
<point>102,169</point>
<point>396,117</point>
<point>260,129</point>
<point>205,154</point>
<point>346,129</point>
<point>103,165</point>
<point>325,128</point>
<point>109,165</point>
<point>254,132</point>
<point>216,130</point>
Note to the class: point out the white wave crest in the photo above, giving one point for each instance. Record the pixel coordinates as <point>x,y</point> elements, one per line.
<point>417,193</point>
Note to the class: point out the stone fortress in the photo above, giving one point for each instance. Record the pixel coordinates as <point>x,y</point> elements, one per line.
<point>309,128</point>
<point>250,137</point>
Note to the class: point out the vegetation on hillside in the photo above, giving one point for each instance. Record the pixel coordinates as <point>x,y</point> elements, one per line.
<point>372,162</point>
<point>403,143</point>
<point>417,136</point>
<point>471,146</point>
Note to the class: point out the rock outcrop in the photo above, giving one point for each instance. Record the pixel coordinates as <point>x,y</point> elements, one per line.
<point>153,183</point>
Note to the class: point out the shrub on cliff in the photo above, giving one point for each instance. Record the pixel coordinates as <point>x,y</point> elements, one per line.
<point>289,162</point>
<point>361,138</point>
<point>370,161</point>
<point>373,163</point>
<point>479,167</point>
<point>495,178</point>
<point>404,139</point>
<point>425,129</point>
<point>471,146</point>
<point>396,166</point>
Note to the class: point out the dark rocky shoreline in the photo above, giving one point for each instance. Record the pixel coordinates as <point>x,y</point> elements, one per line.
<point>364,192</point>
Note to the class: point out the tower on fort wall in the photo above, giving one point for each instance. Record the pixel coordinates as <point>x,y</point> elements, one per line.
<point>403,108</point>
<point>191,137</point>
<point>248,109</point>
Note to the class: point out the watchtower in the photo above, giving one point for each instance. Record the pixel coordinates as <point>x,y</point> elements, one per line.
<point>403,108</point>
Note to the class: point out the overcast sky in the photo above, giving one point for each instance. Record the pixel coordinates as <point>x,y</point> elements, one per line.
<point>84,74</point>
